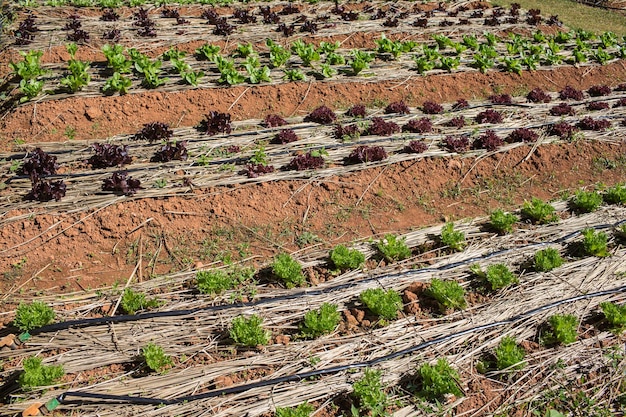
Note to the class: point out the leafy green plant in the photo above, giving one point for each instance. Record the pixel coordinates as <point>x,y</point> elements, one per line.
<point>393,248</point>
<point>248,331</point>
<point>360,61</point>
<point>33,315</point>
<point>594,243</point>
<point>319,322</point>
<point>385,304</point>
<point>78,76</point>
<point>258,75</point>
<point>208,51</point>
<point>288,270</point>
<point>601,56</point>
<point>38,375</point>
<point>214,281</point>
<point>586,201</point>
<point>453,239</point>
<point>615,315</point>
<point>155,358</point>
<point>616,194</point>
<point>334,58</point>
<point>117,83</point>
<point>470,41</point>
<point>116,59</point>
<point>327,71</point>
<point>133,302</point>
<point>188,75</point>
<point>30,68</point>
<point>482,62</point>
<point>307,52</point>
<point>278,54</point>
<point>547,259</point>
<point>449,63</point>
<point>423,64</point>
<point>449,294</point>
<point>563,329</point>
<point>502,222</point>
<point>369,393</point>
<point>294,75</point>
<point>302,410</point>
<point>244,51</point>
<point>438,380</point>
<point>512,65</point>
<point>30,88</point>
<point>173,54</point>
<point>385,45</point>
<point>509,355</point>
<point>344,258</point>
<point>497,275</point>
<point>539,211</point>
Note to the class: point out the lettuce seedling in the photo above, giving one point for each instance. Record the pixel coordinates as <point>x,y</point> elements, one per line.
<point>586,201</point>
<point>369,393</point>
<point>539,211</point>
<point>385,304</point>
<point>594,243</point>
<point>155,358</point>
<point>393,248</point>
<point>449,294</point>
<point>344,258</point>
<point>302,410</point>
<point>451,238</point>
<point>439,380</point>
<point>248,331</point>
<point>288,270</point>
<point>32,316</point>
<point>547,259</point>
<point>509,355</point>
<point>320,322</point>
<point>133,302</point>
<point>615,315</point>
<point>37,375</point>
<point>616,194</point>
<point>502,222</point>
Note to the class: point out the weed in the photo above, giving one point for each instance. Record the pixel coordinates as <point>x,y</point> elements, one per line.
<point>344,258</point>
<point>594,243</point>
<point>616,194</point>
<point>288,270</point>
<point>539,211</point>
<point>37,375</point>
<point>509,355</point>
<point>502,222</point>
<point>449,294</point>
<point>586,201</point>
<point>438,380</point>
<point>451,238</point>
<point>248,331</point>
<point>393,248</point>
<point>155,358</point>
<point>497,275</point>
<point>547,259</point>
<point>369,393</point>
<point>615,315</point>
<point>563,329</point>
<point>70,132</point>
<point>160,183</point>
<point>306,238</point>
<point>302,410</point>
<point>32,316</point>
<point>134,301</point>
<point>385,304</point>
<point>319,322</point>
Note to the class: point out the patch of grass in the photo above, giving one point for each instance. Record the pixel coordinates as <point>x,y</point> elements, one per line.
<point>574,15</point>
<point>509,355</point>
<point>248,331</point>
<point>345,259</point>
<point>393,248</point>
<point>594,243</point>
<point>38,375</point>
<point>547,259</point>
<point>502,222</point>
<point>288,270</point>
<point>539,211</point>
<point>32,316</point>
<point>385,304</point>
<point>438,380</point>
<point>133,302</point>
<point>449,294</point>
<point>369,393</point>
<point>320,322</point>
<point>155,358</point>
<point>615,315</point>
<point>586,201</point>
<point>302,410</point>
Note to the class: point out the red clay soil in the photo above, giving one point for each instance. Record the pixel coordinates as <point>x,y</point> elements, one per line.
<point>102,247</point>
<point>100,117</point>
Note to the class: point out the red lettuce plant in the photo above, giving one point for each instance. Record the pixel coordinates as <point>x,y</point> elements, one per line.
<point>538,96</point>
<point>589,123</point>
<point>522,135</point>
<point>456,122</point>
<point>305,161</point>
<point>415,146</point>
<point>562,109</point>
<point>422,125</point>
<point>380,127</point>
<point>458,144</point>
<point>216,122</point>
<point>154,131</point>
<point>47,190</point>
<point>398,107</point>
<point>489,116</point>
<point>489,141</point>
<point>366,153</point>
<point>25,33</point>
<point>356,111</point>
<point>563,130</point>
<point>347,132</point>
<point>322,115</point>
<point>121,183</point>
<point>620,103</point>
<point>285,136</point>
<point>570,93</point>
<point>430,107</point>
<point>39,164</point>
<point>599,90</point>
<point>256,170</point>
<point>109,155</point>
<point>460,104</point>
<point>171,151</point>
<point>273,120</point>
<point>598,105</point>
<point>501,99</point>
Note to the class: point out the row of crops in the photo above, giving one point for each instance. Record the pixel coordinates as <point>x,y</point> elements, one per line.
<point>128,70</point>
<point>159,160</point>
<point>412,317</point>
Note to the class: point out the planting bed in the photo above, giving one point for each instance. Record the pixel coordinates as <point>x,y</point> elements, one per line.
<point>185,229</point>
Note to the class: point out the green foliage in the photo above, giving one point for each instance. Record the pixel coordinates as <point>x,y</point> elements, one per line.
<point>586,201</point>
<point>30,88</point>
<point>512,65</point>
<point>509,355</point>
<point>244,51</point>
<point>470,41</point>
<point>78,76</point>
<point>360,61</point>
<point>288,270</point>
<point>449,294</point>
<point>149,68</point>
<point>32,316</point>
<point>616,194</point>
<point>278,54</point>
<point>214,281</point>
<point>482,62</point>
<point>594,243</point>
<point>30,67</point>
<point>539,211</point>
<point>116,59</point>
<point>601,56</point>
<point>186,72</point>
<point>385,45</point>
<point>393,248</point>
<point>258,75</point>
<point>248,331</point>
<point>135,301</point>
<point>173,54</point>
<point>155,358</point>
<point>547,259</point>
<point>319,322</point>
<point>615,315</point>
<point>294,75</point>
<point>497,276</point>
<point>442,41</point>
<point>369,393</point>
<point>453,239</point>
<point>502,222</point>
<point>423,64</point>
<point>563,329</point>
<point>327,71</point>
<point>302,410</point>
<point>449,63</point>
<point>334,58</point>
<point>208,51</point>
<point>117,83</point>
<point>38,375</point>
<point>306,51</point>
<point>438,380</point>
<point>385,304</point>
<point>344,258</point>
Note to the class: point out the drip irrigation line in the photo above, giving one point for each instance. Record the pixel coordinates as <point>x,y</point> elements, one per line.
<point>83,323</point>
<point>298,377</point>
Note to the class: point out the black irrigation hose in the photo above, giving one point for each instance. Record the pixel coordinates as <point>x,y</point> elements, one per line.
<point>327,371</point>
<point>82,323</point>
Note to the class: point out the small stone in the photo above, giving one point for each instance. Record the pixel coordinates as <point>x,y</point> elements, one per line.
<point>93,113</point>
